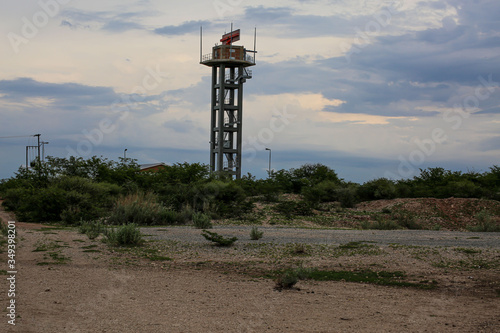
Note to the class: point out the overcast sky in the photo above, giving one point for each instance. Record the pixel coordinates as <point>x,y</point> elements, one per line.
<point>370,88</point>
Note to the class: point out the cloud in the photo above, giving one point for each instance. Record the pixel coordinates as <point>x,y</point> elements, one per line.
<point>188,27</point>
<point>103,20</point>
<point>71,95</point>
<point>285,22</point>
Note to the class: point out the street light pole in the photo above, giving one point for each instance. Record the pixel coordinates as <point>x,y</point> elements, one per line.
<point>269,162</point>
<point>125,154</point>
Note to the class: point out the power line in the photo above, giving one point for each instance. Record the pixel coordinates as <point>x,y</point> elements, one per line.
<point>16,136</point>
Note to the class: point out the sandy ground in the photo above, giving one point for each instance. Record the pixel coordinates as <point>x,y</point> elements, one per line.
<point>206,289</point>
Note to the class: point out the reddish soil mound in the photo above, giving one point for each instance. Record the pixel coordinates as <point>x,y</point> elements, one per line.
<point>451,213</point>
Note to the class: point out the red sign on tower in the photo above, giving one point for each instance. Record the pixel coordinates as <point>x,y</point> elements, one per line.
<point>231,37</point>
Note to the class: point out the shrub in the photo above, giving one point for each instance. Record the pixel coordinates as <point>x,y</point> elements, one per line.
<point>125,235</point>
<point>380,224</point>
<point>381,188</point>
<point>71,215</point>
<point>4,230</point>
<point>141,209</point>
<point>255,234</point>
<point>223,199</point>
<point>406,220</point>
<point>299,249</point>
<point>68,198</point>
<point>218,239</point>
<point>347,196</point>
<point>291,208</point>
<point>287,279</point>
<point>485,223</point>
<point>92,229</point>
<point>270,192</point>
<point>202,221</point>
<point>186,214</point>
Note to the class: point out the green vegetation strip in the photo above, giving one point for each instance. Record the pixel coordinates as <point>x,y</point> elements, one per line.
<point>383,278</point>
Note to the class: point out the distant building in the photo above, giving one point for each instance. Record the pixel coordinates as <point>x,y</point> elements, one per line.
<point>152,167</point>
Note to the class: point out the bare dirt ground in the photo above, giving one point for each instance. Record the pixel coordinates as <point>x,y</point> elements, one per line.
<point>68,283</point>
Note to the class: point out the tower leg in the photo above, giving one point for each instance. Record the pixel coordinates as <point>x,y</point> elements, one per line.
<point>213,119</point>
<point>239,124</point>
<point>220,120</point>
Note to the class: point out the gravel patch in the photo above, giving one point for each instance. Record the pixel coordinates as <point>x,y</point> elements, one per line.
<point>327,236</point>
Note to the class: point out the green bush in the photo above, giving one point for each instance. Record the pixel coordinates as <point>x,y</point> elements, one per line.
<point>377,189</point>
<point>380,224</point>
<point>485,223</point>
<point>186,214</point>
<point>287,279</point>
<point>325,191</point>
<point>222,199</point>
<point>294,208</point>
<point>347,196</point>
<point>70,199</point>
<point>125,235</point>
<point>92,229</point>
<point>255,234</point>
<point>141,209</point>
<point>406,220</point>
<point>202,221</point>
<point>218,239</point>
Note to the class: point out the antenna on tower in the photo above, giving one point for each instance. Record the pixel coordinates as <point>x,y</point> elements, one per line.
<point>201,43</point>
<point>255,44</point>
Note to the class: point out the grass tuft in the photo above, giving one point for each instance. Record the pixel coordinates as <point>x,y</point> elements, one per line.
<point>218,239</point>
<point>255,234</point>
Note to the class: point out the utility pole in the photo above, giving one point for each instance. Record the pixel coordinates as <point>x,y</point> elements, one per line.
<point>39,156</point>
<point>269,170</point>
<point>43,143</point>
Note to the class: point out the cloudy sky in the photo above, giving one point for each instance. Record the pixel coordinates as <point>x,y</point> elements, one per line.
<point>370,88</point>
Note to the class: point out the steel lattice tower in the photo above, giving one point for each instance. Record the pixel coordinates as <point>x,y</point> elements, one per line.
<point>229,71</point>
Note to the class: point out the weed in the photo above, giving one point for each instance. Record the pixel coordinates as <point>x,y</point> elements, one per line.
<point>354,245</point>
<point>218,239</point>
<point>158,258</point>
<point>255,234</point>
<point>152,254</point>
<point>125,235</point>
<point>43,247</point>
<point>57,259</point>
<point>202,221</point>
<point>299,249</point>
<point>287,279</point>
<point>467,250</point>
